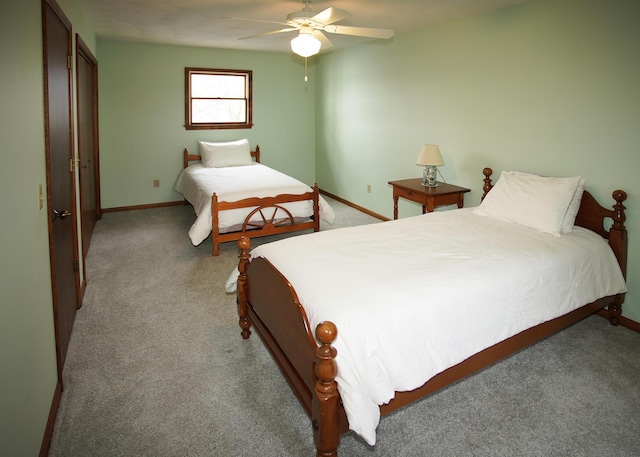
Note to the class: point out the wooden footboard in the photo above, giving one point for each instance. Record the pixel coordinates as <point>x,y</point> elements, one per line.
<point>268,302</point>
<point>274,218</point>
<point>277,316</point>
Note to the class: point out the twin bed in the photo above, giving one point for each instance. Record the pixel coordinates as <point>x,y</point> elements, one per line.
<point>234,195</point>
<point>365,320</point>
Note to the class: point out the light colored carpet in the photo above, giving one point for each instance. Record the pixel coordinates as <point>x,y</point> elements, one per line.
<point>157,367</point>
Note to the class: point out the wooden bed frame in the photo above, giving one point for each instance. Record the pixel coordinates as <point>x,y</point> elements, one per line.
<point>276,218</point>
<point>267,301</point>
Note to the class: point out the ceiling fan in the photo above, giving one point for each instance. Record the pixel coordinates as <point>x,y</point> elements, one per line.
<point>311,26</point>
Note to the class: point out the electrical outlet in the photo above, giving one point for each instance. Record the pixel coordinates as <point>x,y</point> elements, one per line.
<point>156,183</point>
<point>369,188</point>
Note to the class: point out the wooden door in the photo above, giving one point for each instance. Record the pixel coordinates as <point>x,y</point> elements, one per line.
<point>88,152</point>
<point>60,174</point>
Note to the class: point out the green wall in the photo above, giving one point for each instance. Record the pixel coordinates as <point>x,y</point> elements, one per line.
<point>142,116</point>
<point>27,342</point>
<point>27,345</point>
<point>549,86</point>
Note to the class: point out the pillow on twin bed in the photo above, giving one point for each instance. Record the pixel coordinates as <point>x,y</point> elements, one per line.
<point>546,204</point>
<point>574,206</point>
<point>229,154</point>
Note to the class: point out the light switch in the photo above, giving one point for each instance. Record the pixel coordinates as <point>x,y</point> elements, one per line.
<point>40,197</point>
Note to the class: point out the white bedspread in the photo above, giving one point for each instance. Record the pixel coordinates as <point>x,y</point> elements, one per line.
<point>415,296</point>
<point>197,184</point>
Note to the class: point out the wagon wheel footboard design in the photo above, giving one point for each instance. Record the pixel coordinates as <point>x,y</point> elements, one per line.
<point>269,216</point>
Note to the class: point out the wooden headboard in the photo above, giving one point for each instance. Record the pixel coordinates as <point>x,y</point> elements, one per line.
<point>196,158</point>
<point>596,218</point>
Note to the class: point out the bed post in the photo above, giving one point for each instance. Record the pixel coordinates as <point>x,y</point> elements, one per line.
<point>487,172</point>
<point>316,208</point>
<point>618,243</point>
<point>215,230</point>
<point>245,324</point>
<point>324,408</point>
<point>185,158</point>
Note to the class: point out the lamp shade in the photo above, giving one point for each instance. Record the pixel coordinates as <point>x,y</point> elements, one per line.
<point>305,44</point>
<point>430,155</point>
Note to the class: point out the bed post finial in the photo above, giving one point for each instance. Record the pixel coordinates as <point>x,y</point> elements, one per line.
<point>487,172</point>
<point>618,209</point>
<point>618,243</point>
<point>325,401</point>
<point>243,244</point>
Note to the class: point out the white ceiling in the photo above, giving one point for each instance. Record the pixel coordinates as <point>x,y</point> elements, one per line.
<point>202,23</point>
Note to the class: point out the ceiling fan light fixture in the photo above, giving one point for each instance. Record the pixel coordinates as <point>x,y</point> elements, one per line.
<point>305,44</point>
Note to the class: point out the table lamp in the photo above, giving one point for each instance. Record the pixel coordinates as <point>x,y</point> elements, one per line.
<point>430,158</point>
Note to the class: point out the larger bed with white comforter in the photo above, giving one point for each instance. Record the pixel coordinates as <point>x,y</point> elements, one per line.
<point>465,281</point>
<point>415,298</point>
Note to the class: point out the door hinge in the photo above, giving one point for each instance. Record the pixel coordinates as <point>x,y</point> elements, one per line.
<point>76,265</point>
<point>69,62</point>
<point>71,165</point>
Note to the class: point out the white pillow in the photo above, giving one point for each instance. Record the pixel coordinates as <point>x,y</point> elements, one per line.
<point>574,206</point>
<point>229,154</point>
<point>570,216</point>
<point>534,201</point>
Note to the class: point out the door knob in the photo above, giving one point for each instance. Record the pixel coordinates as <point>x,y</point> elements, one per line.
<point>61,214</point>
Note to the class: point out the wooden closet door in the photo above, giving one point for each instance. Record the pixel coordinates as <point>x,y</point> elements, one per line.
<point>63,237</point>
<point>88,142</point>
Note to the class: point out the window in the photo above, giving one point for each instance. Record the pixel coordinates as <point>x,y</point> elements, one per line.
<point>217,99</point>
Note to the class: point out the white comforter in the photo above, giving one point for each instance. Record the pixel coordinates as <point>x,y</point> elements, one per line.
<point>415,296</point>
<point>197,184</point>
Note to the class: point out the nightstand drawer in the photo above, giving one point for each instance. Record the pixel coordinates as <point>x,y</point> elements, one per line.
<point>408,194</point>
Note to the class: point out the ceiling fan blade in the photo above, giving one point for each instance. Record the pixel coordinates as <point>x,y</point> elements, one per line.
<point>330,15</point>
<point>359,31</point>
<point>325,42</point>
<point>275,32</point>
<point>253,20</point>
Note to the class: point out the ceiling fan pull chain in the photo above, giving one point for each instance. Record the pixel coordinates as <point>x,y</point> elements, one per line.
<point>305,70</point>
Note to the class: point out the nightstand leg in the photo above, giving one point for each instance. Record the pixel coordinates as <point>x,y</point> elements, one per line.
<point>395,207</point>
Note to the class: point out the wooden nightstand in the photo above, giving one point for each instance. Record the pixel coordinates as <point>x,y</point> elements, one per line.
<point>429,197</point>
